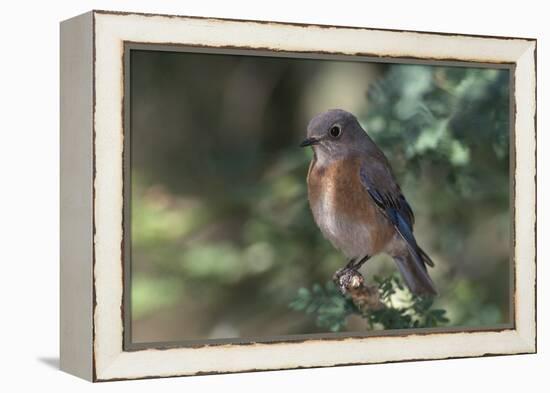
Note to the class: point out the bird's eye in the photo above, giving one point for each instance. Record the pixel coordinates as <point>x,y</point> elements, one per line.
<point>335,131</point>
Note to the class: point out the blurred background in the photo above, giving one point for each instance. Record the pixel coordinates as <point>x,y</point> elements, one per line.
<point>222,235</point>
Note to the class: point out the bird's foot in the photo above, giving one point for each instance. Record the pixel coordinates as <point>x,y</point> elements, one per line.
<point>352,284</point>
<point>348,279</point>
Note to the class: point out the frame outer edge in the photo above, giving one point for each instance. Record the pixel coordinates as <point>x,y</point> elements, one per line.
<point>115,363</point>
<point>526,199</point>
<point>76,193</point>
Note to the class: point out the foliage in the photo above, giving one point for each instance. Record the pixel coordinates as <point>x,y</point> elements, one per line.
<point>452,118</point>
<point>402,310</point>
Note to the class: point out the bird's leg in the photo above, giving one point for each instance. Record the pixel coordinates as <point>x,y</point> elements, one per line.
<point>357,264</point>
<point>351,263</point>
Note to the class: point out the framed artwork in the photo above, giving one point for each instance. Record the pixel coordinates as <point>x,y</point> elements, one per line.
<point>245,195</point>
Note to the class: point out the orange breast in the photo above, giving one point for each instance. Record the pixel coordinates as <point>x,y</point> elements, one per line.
<point>340,183</point>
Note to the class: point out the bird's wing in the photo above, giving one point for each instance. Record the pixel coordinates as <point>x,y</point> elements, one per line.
<point>378,180</point>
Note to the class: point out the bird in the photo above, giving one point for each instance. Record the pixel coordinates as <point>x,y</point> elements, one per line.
<point>357,203</point>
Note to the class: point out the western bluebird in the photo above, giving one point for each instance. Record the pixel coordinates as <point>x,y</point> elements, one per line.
<point>356,201</point>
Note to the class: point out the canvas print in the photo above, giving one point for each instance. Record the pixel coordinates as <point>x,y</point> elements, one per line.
<point>279,197</point>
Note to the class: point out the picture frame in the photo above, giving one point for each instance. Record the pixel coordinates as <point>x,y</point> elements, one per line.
<point>94,154</point>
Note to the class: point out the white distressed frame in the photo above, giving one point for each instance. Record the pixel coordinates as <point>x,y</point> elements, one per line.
<point>110,31</point>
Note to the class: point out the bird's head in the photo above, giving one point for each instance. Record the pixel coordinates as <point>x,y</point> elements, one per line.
<point>335,133</point>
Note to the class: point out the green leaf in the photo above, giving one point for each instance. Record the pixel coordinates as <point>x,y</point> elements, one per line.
<point>303,292</point>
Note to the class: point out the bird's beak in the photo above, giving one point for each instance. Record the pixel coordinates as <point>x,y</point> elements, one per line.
<point>309,142</point>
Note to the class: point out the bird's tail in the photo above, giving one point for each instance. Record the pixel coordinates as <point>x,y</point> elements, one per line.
<point>416,275</point>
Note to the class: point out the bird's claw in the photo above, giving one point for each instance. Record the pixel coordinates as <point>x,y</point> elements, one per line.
<point>348,279</point>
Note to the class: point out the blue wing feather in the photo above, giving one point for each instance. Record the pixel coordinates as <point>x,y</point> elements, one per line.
<point>400,214</point>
